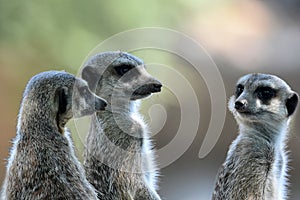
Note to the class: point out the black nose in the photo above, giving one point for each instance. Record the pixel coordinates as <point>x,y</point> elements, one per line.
<point>156,87</point>
<point>240,105</point>
<point>100,104</point>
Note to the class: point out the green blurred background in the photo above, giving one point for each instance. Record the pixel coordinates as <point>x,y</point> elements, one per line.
<point>241,36</point>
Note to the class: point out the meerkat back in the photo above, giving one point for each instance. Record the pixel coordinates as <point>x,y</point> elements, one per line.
<point>42,163</point>
<point>256,163</point>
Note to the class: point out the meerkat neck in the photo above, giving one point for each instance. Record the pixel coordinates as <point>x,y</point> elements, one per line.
<point>121,125</point>
<point>121,105</point>
<point>265,132</point>
<point>32,119</point>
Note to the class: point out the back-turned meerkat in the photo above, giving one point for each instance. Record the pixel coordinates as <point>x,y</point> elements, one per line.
<point>118,158</point>
<point>42,163</point>
<point>256,163</point>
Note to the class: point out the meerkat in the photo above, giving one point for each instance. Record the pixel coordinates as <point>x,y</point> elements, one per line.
<point>42,162</point>
<point>119,158</point>
<point>256,164</point>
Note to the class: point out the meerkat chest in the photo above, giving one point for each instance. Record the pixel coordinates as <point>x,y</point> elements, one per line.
<point>139,122</point>
<point>276,181</point>
<point>132,125</point>
<point>273,188</point>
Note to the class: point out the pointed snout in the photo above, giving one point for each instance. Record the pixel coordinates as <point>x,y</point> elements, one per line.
<point>241,105</point>
<point>155,86</point>
<point>100,103</point>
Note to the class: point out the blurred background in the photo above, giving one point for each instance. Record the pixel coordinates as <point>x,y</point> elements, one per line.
<point>242,36</point>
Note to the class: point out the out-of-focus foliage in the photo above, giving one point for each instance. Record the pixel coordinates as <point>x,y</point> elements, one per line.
<point>63,32</point>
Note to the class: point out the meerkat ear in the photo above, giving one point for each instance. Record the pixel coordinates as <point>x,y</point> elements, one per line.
<point>291,103</point>
<point>62,99</point>
<point>90,75</point>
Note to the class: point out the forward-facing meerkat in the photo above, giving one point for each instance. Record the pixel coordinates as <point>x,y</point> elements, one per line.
<point>42,162</point>
<point>256,163</point>
<point>118,158</point>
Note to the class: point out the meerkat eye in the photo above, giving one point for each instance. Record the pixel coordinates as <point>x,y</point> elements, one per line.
<point>123,69</point>
<point>265,93</point>
<point>239,90</point>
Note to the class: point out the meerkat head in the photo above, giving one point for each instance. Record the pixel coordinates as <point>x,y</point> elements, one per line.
<point>59,95</point>
<point>76,100</point>
<point>120,74</point>
<point>262,98</point>
<point>85,102</point>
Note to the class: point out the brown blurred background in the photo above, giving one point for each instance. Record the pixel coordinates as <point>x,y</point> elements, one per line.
<point>241,36</point>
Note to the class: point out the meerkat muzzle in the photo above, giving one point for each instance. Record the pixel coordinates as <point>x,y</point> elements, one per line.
<point>156,87</point>
<point>241,106</point>
<point>100,104</point>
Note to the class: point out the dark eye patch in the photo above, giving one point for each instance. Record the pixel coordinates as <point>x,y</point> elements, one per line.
<point>123,69</point>
<point>239,90</point>
<point>265,93</point>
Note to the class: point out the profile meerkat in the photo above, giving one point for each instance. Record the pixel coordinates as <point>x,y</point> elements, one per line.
<point>118,157</point>
<point>256,163</point>
<point>42,163</point>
